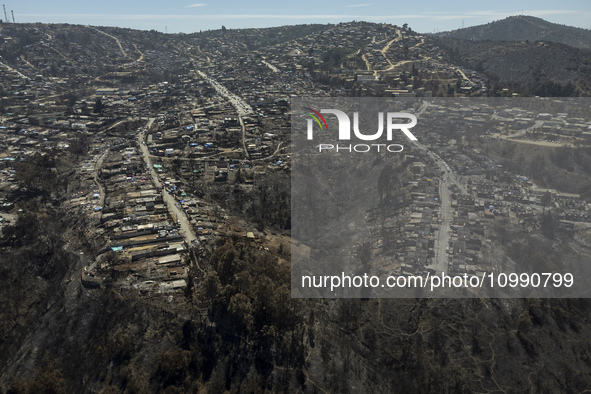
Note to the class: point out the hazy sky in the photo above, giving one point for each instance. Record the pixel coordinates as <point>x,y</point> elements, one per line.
<point>190,16</point>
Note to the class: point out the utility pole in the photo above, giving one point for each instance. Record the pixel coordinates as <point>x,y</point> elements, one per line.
<point>12,12</point>
<point>5,16</point>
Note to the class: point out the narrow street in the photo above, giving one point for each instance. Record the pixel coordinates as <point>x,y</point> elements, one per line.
<point>243,127</point>
<point>10,69</point>
<point>272,67</point>
<point>442,240</point>
<point>171,203</point>
<point>239,104</point>
<point>97,167</point>
<point>447,178</point>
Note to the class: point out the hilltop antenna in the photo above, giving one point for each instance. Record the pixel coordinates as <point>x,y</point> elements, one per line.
<point>12,12</point>
<point>5,16</point>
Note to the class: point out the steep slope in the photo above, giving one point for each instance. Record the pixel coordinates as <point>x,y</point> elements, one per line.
<point>527,67</point>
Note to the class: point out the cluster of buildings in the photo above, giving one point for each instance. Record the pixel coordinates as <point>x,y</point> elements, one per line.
<point>159,122</point>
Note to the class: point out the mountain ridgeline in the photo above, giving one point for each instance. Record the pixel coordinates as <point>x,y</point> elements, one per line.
<point>524,28</point>
<point>528,55</point>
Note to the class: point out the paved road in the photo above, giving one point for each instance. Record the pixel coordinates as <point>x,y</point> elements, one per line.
<point>241,106</point>
<point>177,213</point>
<point>243,126</point>
<point>446,212</point>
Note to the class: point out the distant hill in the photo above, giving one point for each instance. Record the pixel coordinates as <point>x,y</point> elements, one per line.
<point>525,28</point>
<point>540,68</point>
